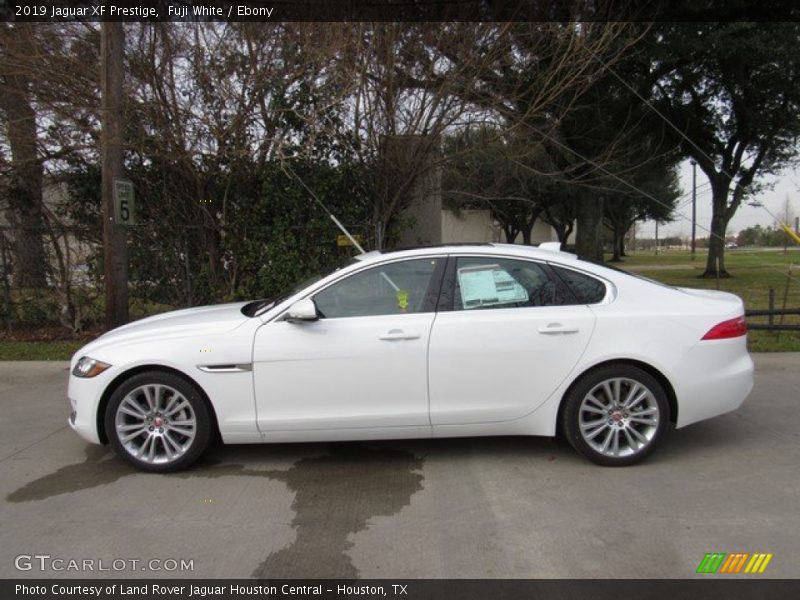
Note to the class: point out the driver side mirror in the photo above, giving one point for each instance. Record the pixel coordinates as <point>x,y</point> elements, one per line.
<point>302,310</point>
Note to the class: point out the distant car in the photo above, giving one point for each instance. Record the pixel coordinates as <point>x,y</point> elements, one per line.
<point>731,245</point>
<point>452,341</point>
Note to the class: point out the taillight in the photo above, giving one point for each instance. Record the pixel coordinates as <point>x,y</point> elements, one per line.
<point>727,329</point>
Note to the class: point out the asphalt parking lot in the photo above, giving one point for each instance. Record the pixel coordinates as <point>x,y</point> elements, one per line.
<point>492,507</point>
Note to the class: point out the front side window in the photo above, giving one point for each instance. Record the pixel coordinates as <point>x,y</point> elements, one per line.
<point>493,282</point>
<point>391,289</point>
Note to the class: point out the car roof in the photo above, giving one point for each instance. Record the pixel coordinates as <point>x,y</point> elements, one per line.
<point>496,249</point>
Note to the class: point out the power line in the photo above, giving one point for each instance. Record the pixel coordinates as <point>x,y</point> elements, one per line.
<point>668,122</point>
<point>689,194</point>
<point>615,176</point>
<point>636,189</point>
<point>647,103</point>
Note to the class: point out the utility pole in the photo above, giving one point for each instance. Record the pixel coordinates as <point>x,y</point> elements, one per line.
<point>656,237</point>
<point>694,203</point>
<point>115,251</point>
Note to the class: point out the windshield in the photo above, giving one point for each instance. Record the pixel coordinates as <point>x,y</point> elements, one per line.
<point>259,307</point>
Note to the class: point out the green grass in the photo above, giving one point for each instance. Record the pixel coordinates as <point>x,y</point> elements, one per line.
<point>39,350</point>
<point>753,273</point>
<point>740,257</point>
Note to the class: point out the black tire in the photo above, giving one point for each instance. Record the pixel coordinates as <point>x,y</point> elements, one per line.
<point>192,448</point>
<point>571,415</point>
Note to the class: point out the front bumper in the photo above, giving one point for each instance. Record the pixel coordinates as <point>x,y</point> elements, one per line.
<point>84,398</point>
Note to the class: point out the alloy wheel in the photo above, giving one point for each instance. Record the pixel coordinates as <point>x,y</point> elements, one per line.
<point>619,417</point>
<point>155,423</point>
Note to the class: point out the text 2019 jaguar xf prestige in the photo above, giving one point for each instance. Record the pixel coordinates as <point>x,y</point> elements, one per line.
<point>438,342</point>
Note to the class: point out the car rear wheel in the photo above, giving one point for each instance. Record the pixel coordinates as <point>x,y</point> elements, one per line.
<point>616,415</point>
<point>158,422</point>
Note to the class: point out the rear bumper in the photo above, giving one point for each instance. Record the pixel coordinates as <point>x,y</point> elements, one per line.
<point>716,377</point>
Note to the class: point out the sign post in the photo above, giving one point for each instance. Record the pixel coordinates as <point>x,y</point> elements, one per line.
<point>343,240</point>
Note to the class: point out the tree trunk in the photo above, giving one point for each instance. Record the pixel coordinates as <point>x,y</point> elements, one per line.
<point>562,227</point>
<point>209,237</point>
<point>715,264</point>
<point>511,233</point>
<point>589,237</point>
<point>616,244</point>
<point>211,240</point>
<point>25,190</point>
<point>25,203</point>
<point>565,232</point>
<point>527,228</point>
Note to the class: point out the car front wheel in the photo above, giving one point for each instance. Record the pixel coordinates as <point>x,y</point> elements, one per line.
<point>158,422</point>
<point>616,415</point>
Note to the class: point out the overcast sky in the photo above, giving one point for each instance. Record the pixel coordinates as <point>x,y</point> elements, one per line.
<point>787,183</point>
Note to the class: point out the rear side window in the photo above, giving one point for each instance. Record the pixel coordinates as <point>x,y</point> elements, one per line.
<point>586,289</point>
<point>495,282</point>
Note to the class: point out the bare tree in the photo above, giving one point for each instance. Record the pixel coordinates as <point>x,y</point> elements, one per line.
<point>24,191</point>
<point>425,81</point>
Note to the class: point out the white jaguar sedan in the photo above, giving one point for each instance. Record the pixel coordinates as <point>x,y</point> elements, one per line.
<point>447,341</point>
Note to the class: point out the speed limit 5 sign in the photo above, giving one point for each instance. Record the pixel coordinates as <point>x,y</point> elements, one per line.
<point>123,202</point>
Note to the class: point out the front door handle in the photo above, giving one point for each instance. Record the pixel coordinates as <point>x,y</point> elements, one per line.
<point>397,334</point>
<point>557,329</point>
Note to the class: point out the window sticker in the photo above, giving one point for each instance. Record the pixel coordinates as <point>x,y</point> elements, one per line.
<point>489,285</point>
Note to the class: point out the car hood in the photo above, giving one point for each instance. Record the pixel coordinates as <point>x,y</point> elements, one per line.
<point>202,320</point>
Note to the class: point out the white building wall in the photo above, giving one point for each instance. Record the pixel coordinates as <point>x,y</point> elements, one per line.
<point>478,226</point>
<point>468,226</point>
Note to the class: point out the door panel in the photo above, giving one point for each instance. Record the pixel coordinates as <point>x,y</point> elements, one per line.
<point>339,373</point>
<point>506,337</point>
<point>363,364</point>
<point>499,365</point>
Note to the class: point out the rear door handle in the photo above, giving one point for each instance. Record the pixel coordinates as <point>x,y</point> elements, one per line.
<point>397,334</point>
<point>557,329</point>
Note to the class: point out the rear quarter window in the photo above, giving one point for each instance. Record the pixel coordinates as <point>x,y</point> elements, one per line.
<point>586,289</point>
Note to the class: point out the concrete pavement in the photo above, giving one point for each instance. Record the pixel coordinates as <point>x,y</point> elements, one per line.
<point>492,507</point>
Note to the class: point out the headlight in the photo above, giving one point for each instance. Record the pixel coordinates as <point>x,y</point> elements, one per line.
<point>89,367</point>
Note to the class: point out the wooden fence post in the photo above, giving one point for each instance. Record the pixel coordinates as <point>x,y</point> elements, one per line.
<point>771,306</point>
